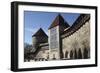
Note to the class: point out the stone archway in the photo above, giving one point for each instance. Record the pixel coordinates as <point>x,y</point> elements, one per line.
<point>71,54</point>
<point>66,54</point>
<point>79,54</point>
<point>85,53</point>
<point>75,54</point>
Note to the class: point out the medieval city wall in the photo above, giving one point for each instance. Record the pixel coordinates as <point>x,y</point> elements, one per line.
<point>78,40</point>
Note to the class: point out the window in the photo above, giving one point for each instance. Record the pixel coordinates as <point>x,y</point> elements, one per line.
<point>53,38</point>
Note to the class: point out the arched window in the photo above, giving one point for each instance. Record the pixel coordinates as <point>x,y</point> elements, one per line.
<point>79,54</point>
<point>66,54</point>
<point>71,54</point>
<point>85,53</point>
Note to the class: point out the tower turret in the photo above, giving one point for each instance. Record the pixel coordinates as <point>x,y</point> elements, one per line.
<point>38,38</point>
<point>56,28</point>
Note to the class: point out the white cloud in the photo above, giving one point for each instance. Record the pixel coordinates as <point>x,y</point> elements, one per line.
<point>31,30</point>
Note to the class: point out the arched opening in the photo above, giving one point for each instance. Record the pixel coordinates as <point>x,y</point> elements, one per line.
<point>66,54</point>
<point>75,54</point>
<point>85,53</point>
<point>71,54</point>
<point>79,54</point>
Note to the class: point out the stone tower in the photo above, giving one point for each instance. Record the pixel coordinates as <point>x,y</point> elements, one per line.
<point>38,38</point>
<point>56,28</point>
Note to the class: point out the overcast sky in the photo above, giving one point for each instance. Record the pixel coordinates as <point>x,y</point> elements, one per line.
<point>35,20</point>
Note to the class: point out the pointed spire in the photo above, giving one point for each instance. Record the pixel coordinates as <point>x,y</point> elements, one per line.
<point>40,32</point>
<point>59,20</point>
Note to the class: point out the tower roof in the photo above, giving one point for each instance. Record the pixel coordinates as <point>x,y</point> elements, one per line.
<point>59,20</point>
<point>40,32</point>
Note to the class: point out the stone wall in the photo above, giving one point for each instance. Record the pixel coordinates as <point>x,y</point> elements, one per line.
<point>43,54</point>
<point>77,45</point>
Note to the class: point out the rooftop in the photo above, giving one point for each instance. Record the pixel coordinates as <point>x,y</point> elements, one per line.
<point>40,32</point>
<point>59,20</point>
